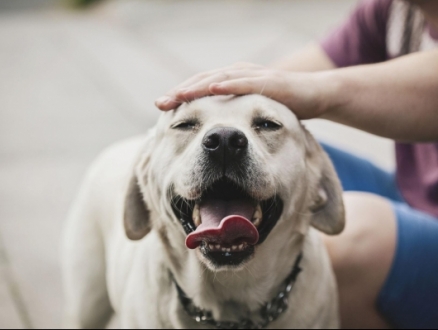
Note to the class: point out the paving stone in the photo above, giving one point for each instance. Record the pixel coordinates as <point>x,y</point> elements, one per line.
<point>55,119</point>
<point>49,103</point>
<point>35,195</point>
<point>9,316</point>
<point>126,70</point>
<point>205,35</point>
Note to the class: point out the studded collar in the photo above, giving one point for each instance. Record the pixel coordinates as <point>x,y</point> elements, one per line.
<point>270,312</point>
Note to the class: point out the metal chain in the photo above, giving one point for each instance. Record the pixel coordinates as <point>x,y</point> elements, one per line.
<point>269,312</point>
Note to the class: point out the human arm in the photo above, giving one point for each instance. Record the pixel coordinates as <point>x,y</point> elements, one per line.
<point>397,99</point>
<point>311,58</point>
<point>378,98</point>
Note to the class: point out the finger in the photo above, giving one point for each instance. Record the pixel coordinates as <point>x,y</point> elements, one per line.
<point>197,78</point>
<point>202,88</point>
<point>167,101</point>
<point>242,86</point>
<point>237,85</point>
<point>171,101</point>
<point>227,69</point>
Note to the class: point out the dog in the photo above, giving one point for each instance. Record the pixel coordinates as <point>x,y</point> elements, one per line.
<point>208,221</point>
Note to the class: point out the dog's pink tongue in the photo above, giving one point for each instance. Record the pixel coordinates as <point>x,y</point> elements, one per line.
<point>225,223</point>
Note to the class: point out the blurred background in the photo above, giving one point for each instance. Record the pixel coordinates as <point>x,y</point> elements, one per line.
<point>76,76</point>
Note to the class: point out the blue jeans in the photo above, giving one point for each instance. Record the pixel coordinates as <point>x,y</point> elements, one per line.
<point>409,297</point>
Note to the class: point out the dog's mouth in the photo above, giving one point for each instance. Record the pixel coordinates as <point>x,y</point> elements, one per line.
<point>226,223</point>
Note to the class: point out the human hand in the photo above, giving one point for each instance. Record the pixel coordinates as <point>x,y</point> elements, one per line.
<point>304,93</point>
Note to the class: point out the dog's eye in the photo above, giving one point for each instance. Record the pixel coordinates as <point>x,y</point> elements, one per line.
<point>186,125</point>
<point>264,124</point>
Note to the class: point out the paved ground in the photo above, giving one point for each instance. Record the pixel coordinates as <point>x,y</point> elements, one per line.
<point>74,82</point>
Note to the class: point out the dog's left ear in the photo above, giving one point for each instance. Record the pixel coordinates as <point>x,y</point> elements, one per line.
<point>328,214</point>
<point>136,214</point>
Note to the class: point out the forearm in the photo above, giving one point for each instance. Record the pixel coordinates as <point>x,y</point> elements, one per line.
<point>396,99</point>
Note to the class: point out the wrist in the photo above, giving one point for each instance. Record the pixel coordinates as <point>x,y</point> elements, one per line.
<point>332,93</point>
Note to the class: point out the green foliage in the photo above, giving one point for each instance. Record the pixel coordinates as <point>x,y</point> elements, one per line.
<point>84,3</point>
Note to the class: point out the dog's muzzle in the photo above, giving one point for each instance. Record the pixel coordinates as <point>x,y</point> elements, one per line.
<point>226,222</point>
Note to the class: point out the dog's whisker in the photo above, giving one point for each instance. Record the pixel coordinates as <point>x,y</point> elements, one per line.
<point>248,269</point>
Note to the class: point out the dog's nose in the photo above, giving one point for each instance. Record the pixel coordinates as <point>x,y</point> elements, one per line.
<point>225,144</point>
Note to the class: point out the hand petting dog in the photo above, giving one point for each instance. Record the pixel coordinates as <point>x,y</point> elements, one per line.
<point>304,93</point>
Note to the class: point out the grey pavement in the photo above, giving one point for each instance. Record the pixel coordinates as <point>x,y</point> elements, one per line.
<point>73,82</point>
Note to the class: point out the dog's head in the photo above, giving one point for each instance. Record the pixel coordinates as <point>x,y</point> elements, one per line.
<point>221,174</point>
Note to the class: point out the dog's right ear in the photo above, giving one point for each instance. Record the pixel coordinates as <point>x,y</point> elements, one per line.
<point>136,214</point>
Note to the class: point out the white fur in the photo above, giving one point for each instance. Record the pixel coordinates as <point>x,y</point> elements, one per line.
<point>105,272</point>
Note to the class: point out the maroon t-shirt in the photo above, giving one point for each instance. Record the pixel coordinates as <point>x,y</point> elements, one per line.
<point>375,32</point>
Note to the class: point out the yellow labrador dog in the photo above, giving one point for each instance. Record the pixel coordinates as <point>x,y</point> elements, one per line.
<point>207,223</point>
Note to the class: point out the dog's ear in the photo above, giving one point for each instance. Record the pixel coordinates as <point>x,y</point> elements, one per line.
<point>328,214</point>
<point>136,214</point>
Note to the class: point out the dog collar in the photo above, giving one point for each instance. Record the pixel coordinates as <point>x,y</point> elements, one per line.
<point>270,312</point>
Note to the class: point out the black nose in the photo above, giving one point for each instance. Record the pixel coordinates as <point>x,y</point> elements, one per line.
<point>225,145</point>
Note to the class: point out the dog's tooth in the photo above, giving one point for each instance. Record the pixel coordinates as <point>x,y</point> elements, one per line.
<point>196,216</point>
<point>234,248</point>
<point>218,247</point>
<point>241,246</point>
<point>258,216</point>
<point>211,247</point>
<point>224,249</point>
